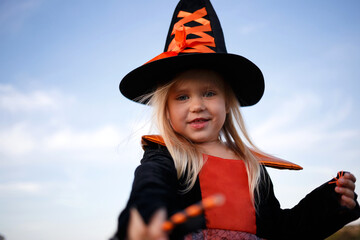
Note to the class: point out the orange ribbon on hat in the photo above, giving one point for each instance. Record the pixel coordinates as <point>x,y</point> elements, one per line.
<point>180,44</point>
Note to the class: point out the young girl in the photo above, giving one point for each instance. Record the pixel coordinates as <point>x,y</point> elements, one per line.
<point>196,89</point>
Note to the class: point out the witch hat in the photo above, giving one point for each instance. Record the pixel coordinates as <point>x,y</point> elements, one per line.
<point>195,40</point>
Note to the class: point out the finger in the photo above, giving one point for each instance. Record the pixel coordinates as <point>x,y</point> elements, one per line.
<point>136,227</point>
<point>345,191</point>
<point>155,230</point>
<point>350,176</point>
<point>346,183</point>
<point>347,202</point>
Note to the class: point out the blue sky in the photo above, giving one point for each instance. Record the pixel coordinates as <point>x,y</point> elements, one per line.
<point>69,142</point>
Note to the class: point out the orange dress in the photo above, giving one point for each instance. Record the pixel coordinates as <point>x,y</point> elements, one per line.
<point>235,219</point>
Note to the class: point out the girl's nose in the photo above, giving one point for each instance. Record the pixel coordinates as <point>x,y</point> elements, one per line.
<point>197,105</point>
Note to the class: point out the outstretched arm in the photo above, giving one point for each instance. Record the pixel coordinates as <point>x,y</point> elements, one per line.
<point>321,213</point>
<point>155,187</point>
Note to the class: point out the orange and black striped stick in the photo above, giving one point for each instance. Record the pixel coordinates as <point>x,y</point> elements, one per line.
<point>193,211</point>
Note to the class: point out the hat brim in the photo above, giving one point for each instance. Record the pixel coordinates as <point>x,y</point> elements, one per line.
<point>243,76</point>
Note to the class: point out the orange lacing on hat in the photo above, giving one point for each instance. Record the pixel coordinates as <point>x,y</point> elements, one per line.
<point>180,44</point>
<point>336,179</point>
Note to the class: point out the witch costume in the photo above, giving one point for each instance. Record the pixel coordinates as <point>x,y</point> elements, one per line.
<point>195,40</point>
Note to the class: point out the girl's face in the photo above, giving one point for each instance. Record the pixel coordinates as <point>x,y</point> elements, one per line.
<point>196,107</point>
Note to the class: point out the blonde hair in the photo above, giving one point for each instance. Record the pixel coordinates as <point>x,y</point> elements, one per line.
<point>187,158</point>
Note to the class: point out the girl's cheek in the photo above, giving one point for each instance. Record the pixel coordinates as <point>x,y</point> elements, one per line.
<point>167,113</point>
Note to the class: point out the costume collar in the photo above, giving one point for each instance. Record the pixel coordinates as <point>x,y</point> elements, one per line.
<point>264,159</point>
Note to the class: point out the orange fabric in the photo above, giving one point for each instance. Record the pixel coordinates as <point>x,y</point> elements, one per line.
<point>180,44</point>
<point>196,16</point>
<point>275,162</point>
<point>265,159</point>
<point>228,177</point>
<point>188,17</point>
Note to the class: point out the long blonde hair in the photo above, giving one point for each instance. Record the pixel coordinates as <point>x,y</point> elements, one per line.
<point>186,156</point>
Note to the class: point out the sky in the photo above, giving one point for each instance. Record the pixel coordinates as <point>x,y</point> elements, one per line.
<point>69,141</point>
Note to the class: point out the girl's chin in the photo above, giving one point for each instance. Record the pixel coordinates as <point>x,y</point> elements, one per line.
<point>202,140</point>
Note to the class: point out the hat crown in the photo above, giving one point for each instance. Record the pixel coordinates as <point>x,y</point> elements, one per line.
<point>195,28</point>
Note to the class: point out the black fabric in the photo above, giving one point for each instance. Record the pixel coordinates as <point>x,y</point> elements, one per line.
<point>156,186</point>
<point>317,216</point>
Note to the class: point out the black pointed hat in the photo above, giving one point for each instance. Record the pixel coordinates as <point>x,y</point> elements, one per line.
<point>196,40</point>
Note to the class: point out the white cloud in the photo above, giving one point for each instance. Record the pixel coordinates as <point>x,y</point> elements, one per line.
<point>37,137</point>
<point>23,142</point>
<point>19,187</point>
<point>67,139</point>
<point>13,100</point>
<point>16,140</point>
<point>304,122</point>
<point>289,113</point>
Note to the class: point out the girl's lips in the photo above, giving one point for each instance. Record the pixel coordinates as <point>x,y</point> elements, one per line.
<point>199,123</point>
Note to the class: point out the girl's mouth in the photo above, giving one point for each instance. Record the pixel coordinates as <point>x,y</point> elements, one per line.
<point>199,123</point>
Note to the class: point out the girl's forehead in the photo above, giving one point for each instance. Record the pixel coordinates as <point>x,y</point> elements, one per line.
<point>206,78</point>
<point>196,82</point>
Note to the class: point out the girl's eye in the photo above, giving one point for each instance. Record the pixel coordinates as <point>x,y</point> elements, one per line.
<point>209,94</point>
<point>182,98</point>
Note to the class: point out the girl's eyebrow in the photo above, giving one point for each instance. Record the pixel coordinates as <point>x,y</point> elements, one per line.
<point>180,90</point>
<point>205,87</point>
<point>202,89</point>
<point>212,87</point>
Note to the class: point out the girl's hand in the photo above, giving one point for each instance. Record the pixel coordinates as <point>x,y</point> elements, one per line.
<point>137,229</point>
<point>345,187</point>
